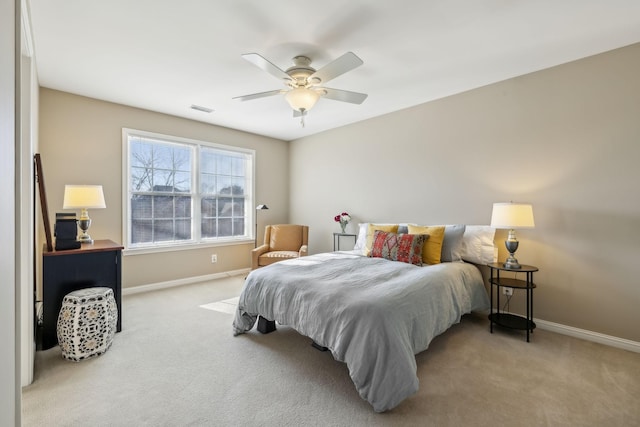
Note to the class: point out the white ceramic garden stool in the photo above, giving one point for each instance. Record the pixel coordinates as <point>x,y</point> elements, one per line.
<point>87,323</point>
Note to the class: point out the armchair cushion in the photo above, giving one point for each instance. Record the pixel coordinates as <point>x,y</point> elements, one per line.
<point>275,256</point>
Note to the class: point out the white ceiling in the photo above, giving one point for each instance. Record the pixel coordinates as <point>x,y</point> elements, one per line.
<point>165,55</point>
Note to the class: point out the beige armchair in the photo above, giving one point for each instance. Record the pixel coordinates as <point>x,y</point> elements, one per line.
<point>281,242</point>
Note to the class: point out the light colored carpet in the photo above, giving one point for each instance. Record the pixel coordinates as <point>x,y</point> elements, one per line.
<point>225,306</point>
<point>176,364</point>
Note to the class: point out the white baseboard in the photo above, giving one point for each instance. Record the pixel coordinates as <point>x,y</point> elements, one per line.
<point>180,282</point>
<point>589,335</point>
<point>583,334</point>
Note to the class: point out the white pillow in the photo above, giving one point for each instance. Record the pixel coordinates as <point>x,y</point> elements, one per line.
<point>361,241</point>
<point>478,246</point>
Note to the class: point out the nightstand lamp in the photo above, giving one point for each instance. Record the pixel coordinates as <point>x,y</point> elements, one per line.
<point>83,197</point>
<point>512,216</point>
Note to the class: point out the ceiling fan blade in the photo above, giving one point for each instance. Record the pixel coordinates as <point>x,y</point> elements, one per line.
<point>346,62</point>
<point>265,65</point>
<point>343,95</point>
<point>259,95</point>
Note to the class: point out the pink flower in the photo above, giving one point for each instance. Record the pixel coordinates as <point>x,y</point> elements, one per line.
<point>343,218</point>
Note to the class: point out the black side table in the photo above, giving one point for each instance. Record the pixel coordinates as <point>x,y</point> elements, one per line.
<point>509,320</point>
<point>337,236</point>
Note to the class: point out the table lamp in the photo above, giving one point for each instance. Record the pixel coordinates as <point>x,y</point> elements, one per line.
<point>83,197</point>
<point>512,216</point>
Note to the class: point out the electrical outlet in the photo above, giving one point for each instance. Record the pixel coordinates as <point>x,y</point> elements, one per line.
<point>214,258</point>
<point>507,291</point>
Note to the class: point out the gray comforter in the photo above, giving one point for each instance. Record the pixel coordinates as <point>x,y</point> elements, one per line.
<point>375,315</point>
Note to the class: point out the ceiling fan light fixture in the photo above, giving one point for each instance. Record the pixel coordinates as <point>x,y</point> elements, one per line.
<point>301,98</point>
<point>302,81</point>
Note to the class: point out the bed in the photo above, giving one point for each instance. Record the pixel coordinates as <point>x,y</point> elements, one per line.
<point>372,313</point>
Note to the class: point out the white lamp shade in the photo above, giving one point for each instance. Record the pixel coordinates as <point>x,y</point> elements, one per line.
<point>83,197</point>
<point>302,99</point>
<point>512,215</point>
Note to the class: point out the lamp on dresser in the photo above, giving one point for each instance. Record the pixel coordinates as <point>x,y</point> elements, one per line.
<point>84,197</point>
<point>512,216</point>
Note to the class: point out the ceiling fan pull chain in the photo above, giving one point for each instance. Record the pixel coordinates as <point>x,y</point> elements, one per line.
<point>302,120</point>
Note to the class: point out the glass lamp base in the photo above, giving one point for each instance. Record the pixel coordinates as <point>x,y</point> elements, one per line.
<point>85,238</point>
<point>84,223</point>
<point>512,246</point>
<point>511,263</point>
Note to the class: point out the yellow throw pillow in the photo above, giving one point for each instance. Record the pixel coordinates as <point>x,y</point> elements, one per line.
<point>432,249</point>
<point>389,228</point>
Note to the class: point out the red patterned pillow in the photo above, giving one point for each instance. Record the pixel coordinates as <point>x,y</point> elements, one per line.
<point>398,247</point>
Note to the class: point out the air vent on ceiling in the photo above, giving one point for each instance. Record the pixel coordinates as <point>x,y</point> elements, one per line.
<point>201,108</point>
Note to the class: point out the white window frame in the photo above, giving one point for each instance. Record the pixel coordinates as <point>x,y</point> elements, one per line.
<point>197,241</point>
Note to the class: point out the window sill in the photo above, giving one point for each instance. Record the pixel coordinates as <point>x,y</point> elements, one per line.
<point>185,246</point>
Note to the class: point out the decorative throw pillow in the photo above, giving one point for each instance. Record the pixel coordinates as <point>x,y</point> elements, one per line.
<point>363,227</point>
<point>432,250</point>
<point>452,243</point>
<point>398,247</point>
<point>402,229</point>
<point>389,228</point>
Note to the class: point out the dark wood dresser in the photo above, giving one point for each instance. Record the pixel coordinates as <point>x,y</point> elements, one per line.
<point>95,264</point>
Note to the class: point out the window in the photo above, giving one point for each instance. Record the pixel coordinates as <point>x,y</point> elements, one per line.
<point>181,192</point>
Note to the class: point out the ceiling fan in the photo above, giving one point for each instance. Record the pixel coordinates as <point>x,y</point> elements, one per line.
<point>304,83</point>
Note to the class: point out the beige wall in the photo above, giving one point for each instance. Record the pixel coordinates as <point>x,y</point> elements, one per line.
<point>566,139</point>
<point>81,143</point>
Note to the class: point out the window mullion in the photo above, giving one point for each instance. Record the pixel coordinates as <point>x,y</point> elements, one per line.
<point>196,197</point>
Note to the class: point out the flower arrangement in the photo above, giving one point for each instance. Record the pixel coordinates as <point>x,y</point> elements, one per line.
<point>343,219</point>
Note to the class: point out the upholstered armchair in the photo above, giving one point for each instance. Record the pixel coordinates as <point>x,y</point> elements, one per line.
<point>281,242</point>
